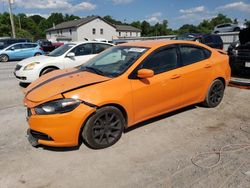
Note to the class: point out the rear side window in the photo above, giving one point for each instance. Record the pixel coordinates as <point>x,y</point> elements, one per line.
<point>98,48</point>
<point>83,49</point>
<point>193,54</point>
<point>207,39</point>
<point>162,61</point>
<point>29,45</point>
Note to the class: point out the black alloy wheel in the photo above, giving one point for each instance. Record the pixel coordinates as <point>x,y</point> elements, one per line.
<point>104,128</point>
<point>215,94</point>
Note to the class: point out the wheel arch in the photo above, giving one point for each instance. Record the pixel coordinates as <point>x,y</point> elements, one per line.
<point>118,106</point>
<point>222,79</point>
<point>44,68</point>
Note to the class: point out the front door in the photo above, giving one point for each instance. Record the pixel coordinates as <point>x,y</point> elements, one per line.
<point>83,53</point>
<point>161,93</point>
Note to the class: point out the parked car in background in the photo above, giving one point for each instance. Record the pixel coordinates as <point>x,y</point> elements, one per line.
<point>212,40</point>
<point>69,55</point>
<point>228,27</point>
<point>5,42</point>
<point>20,51</point>
<point>48,46</point>
<point>239,53</point>
<point>121,87</point>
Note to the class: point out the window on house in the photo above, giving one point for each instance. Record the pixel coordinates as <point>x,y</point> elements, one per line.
<point>101,31</point>
<point>61,32</point>
<point>93,31</point>
<point>70,31</point>
<point>57,31</point>
<point>119,33</point>
<point>131,34</point>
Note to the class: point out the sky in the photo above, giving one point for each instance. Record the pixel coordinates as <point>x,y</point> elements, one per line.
<point>177,12</point>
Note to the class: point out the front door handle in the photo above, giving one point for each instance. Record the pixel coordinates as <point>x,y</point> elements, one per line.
<point>208,65</point>
<point>175,76</point>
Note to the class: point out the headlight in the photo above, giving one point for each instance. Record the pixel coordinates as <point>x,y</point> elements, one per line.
<point>30,66</point>
<point>57,106</point>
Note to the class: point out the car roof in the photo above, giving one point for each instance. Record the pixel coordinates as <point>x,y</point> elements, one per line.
<point>85,42</point>
<point>159,43</point>
<point>24,43</point>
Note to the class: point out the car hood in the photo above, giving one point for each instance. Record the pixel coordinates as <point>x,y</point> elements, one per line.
<point>60,81</point>
<point>244,36</point>
<point>40,59</point>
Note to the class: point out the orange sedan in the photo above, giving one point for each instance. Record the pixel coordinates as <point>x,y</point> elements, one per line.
<point>123,86</point>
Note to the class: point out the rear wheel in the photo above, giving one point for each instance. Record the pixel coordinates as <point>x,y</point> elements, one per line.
<point>37,54</point>
<point>47,70</point>
<point>4,58</point>
<point>104,128</point>
<point>215,94</point>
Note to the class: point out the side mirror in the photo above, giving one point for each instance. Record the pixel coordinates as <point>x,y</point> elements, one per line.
<point>70,55</point>
<point>12,48</point>
<point>145,73</point>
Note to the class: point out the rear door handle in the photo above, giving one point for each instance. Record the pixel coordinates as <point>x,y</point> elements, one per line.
<point>175,76</point>
<point>208,66</point>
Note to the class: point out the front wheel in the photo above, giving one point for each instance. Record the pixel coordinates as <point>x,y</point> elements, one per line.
<point>4,58</point>
<point>47,70</point>
<point>37,54</point>
<point>104,128</point>
<point>215,94</point>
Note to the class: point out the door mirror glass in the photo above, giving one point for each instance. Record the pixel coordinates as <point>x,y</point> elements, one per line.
<point>145,73</point>
<point>71,55</point>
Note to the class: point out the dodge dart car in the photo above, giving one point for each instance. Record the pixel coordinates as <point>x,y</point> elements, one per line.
<point>121,87</point>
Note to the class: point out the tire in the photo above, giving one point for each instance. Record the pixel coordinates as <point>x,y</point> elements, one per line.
<point>4,58</point>
<point>37,54</point>
<point>104,128</point>
<point>47,70</point>
<point>215,94</point>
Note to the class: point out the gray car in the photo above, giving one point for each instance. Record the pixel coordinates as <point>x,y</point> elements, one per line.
<point>228,27</point>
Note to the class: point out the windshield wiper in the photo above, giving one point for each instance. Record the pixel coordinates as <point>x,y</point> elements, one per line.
<point>97,71</point>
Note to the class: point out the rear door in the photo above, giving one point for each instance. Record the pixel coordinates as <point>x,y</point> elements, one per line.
<point>153,96</point>
<point>195,72</point>
<point>83,53</point>
<point>28,50</point>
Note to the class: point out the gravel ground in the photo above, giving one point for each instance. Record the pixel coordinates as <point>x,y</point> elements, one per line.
<point>157,153</point>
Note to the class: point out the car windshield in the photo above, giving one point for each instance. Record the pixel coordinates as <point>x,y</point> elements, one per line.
<point>61,50</point>
<point>114,61</point>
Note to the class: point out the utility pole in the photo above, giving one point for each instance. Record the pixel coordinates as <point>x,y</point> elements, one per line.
<point>11,19</point>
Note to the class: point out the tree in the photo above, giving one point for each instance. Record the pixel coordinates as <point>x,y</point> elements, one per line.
<point>188,28</point>
<point>220,19</point>
<point>145,26</point>
<point>109,19</point>
<point>37,19</point>
<point>247,22</point>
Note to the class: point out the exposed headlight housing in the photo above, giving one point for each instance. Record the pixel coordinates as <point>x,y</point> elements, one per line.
<point>31,66</point>
<point>57,106</point>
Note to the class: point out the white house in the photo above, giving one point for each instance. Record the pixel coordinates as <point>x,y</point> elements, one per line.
<point>93,27</point>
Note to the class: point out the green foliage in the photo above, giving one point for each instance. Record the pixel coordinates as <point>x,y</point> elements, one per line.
<point>34,26</point>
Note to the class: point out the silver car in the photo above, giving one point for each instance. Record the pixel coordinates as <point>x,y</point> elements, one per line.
<point>228,27</point>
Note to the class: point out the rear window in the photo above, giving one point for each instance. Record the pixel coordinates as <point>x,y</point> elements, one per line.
<point>192,54</point>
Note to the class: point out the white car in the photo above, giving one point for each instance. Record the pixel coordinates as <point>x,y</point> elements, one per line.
<point>70,55</point>
<point>228,27</point>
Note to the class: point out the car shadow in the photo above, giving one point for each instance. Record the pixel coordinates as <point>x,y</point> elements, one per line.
<point>158,118</point>
<point>141,124</point>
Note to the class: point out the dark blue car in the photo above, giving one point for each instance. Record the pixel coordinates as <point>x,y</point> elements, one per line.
<point>20,51</point>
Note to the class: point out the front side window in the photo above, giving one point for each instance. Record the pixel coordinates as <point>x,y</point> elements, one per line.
<point>114,61</point>
<point>192,54</point>
<point>83,49</point>
<point>15,47</point>
<point>162,61</point>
